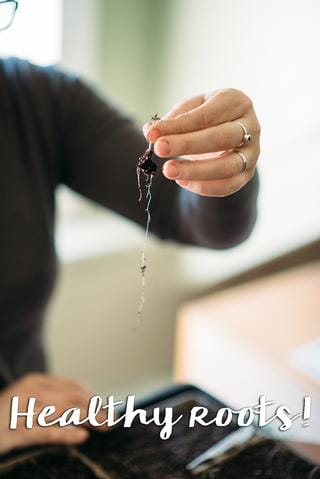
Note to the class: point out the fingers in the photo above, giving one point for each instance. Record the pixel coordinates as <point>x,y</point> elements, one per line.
<point>217,138</point>
<point>70,383</point>
<point>184,106</point>
<point>40,382</point>
<point>216,108</point>
<point>217,188</point>
<point>178,109</point>
<point>225,166</point>
<point>63,393</point>
<point>63,401</point>
<point>219,176</point>
<point>208,128</point>
<point>50,435</point>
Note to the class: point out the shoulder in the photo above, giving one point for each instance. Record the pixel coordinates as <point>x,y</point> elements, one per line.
<point>57,95</point>
<point>30,75</point>
<point>43,88</point>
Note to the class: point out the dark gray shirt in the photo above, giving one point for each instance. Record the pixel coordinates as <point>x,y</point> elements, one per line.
<point>55,130</point>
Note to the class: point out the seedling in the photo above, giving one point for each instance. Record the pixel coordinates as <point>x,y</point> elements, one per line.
<point>145,163</point>
<point>148,168</point>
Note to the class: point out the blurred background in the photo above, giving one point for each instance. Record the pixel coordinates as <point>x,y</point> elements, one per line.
<point>146,55</point>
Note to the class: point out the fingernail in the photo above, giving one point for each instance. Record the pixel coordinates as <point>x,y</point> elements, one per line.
<point>183,183</point>
<point>163,147</point>
<point>146,128</point>
<point>171,171</point>
<point>154,134</point>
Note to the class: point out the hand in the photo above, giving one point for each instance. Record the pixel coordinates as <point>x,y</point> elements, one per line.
<point>48,390</point>
<point>204,129</point>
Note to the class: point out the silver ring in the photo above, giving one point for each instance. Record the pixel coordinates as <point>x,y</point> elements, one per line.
<point>246,136</point>
<point>244,161</point>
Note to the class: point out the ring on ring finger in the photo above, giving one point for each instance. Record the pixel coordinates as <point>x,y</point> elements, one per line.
<point>247,137</point>
<point>244,161</point>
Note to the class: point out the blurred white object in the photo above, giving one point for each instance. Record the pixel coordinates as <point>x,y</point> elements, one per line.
<point>306,359</point>
<point>36,32</point>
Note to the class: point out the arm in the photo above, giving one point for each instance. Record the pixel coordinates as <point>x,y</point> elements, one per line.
<point>99,149</point>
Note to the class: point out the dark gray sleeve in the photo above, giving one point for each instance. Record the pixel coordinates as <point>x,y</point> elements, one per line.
<point>99,150</point>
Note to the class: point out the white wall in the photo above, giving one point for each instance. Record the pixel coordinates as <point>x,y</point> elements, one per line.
<point>270,50</point>
<point>81,38</point>
<point>35,33</point>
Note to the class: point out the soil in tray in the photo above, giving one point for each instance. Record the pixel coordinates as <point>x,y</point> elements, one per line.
<point>265,459</point>
<point>139,452</point>
<point>132,453</point>
<point>55,464</point>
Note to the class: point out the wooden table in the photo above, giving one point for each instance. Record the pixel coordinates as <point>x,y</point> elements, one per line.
<point>238,344</point>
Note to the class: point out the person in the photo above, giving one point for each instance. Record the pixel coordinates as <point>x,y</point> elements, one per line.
<point>55,130</point>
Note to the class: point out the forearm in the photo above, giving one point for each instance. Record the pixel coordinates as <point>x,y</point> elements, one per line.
<point>213,222</point>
